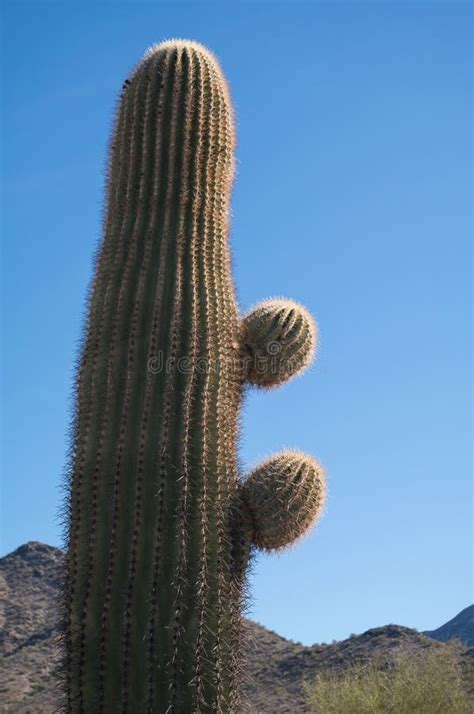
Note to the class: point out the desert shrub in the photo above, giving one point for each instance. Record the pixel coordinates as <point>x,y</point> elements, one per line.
<point>425,683</point>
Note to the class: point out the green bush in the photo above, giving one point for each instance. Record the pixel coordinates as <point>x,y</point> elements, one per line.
<point>427,683</point>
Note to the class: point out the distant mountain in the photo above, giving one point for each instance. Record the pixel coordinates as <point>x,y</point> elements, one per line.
<point>29,584</point>
<point>459,628</point>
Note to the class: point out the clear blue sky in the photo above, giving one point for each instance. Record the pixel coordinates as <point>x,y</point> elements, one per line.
<point>353,196</point>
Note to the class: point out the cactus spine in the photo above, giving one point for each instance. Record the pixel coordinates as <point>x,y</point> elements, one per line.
<point>159,529</point>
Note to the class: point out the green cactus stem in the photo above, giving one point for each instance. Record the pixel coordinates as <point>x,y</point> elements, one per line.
<point>159,530</point>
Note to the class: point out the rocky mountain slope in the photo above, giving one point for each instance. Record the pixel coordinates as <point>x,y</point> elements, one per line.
<point>459,628</point>
<point>29,583</point>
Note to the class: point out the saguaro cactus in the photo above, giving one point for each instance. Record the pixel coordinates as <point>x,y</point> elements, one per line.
<point>160,523</point>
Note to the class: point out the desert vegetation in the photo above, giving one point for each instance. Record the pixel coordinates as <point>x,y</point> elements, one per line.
<point>426,683</point>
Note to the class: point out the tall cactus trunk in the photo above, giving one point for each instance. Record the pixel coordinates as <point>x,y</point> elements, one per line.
<point>151,578</point>
<point>159,527</point>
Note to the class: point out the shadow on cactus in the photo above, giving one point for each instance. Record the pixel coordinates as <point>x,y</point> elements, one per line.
<point>160,524</point>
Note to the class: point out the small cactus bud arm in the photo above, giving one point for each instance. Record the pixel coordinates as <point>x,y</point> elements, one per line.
<point>285,497</point>
<point>279,342</point>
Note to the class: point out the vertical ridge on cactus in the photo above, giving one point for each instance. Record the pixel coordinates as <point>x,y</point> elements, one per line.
<point>159,526</point>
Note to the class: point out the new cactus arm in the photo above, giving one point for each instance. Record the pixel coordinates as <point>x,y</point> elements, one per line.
<point>160,524</point>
